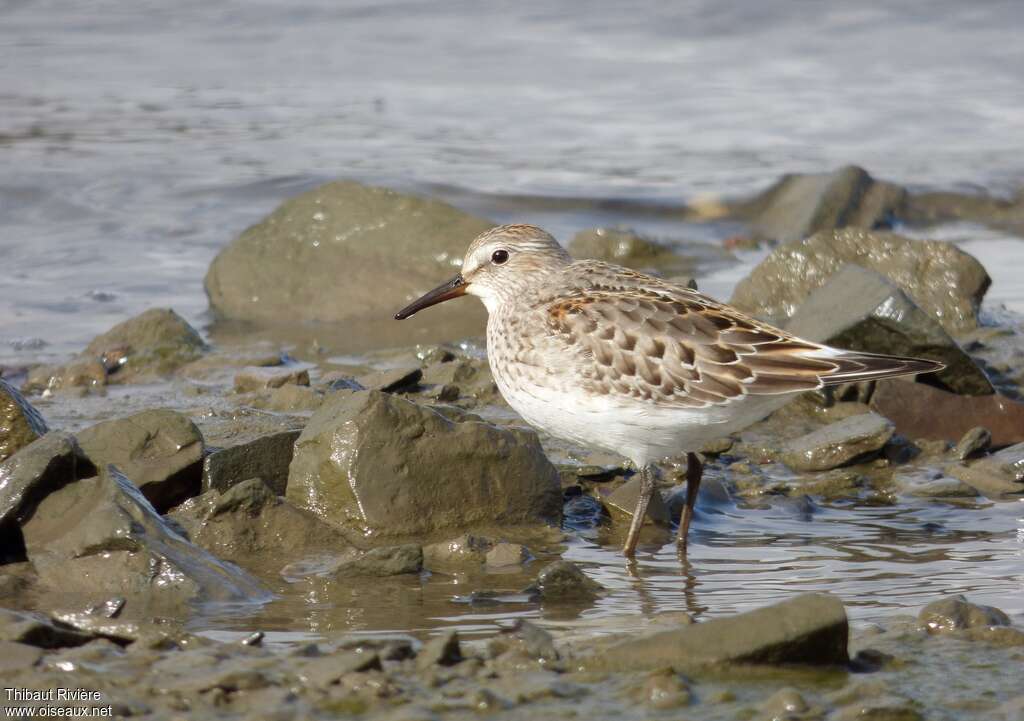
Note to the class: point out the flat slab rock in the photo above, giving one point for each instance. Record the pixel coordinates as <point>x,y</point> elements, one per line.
<point>838,443</point>
<point>998,476</point>
<point>811,629</point>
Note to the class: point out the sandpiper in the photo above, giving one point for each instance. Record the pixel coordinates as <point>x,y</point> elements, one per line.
<point>618,360</point>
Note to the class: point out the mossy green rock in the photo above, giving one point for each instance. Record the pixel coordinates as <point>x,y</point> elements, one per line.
<point>380,465</point>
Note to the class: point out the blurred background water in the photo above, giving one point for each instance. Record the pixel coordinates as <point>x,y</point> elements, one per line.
<point>137,138</point>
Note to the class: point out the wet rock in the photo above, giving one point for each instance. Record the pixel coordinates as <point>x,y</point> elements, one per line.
<point>252,526</point>
<point>944,207</point>
<point>785,703</point>
<point>974,442</point>
<point>921,411</point>
<point>465,549</point>
<point>938,277</point>
<point>100,536</point>
<point>837,444</point>
<point>341,252</point>
<point>860,309</point>
<point>621,503</point>
<point>800,204</point>
<point>393,380</point>
<point>1000,475</point>
<point>665,689</point>
<point>160,450</point>
<point>266,378</point>
<point>957,613</point>
<point>561,581</point>
<point>82,373</point>
<point>20,423</point>
<point>35,629</point>
<point>810,629</point>
<point>884,708</point>
<point>383,561</point>
<point>382,466</point>
<point>265,457</point>
<point>289,399</point>
<point>503,555</point>
<point>17,656</point>
<point>32,473</point>
<point>150,345</point>
<point>939,486</point>
<point>441,650</point>
<point>529,639</point>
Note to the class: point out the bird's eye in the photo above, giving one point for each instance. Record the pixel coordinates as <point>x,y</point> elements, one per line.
<point>499,256</point>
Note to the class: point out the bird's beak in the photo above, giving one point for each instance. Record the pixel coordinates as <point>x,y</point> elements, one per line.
<point>446,291</point>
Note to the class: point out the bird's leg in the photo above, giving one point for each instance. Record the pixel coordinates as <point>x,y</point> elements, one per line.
<point>694,472</point>
<point>646,491</point>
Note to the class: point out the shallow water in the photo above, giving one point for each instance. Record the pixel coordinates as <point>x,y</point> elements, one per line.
<point>136,139</point>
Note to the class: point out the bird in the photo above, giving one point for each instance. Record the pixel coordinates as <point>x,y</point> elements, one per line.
<point>625,362</point>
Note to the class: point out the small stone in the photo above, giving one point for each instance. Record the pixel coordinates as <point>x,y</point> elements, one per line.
<point>957,613</point>
<point>440,650</point>
<point>621,503</point>
<point>262,378</point>
<point>466,548</point>
<point>783,704</point>
<point>507,554</point>
<point>564,581</point>
<point>855,438</point>
<point>974,442</point>
<point>394,380</point>
<point>664,690</point>
<point>998,476</point>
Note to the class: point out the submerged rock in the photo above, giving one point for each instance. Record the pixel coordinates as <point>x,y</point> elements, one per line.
<point>920,411</point>
<point>564,581</point>
<point>801,204</point>
<point>160,450</point>
<point>340,252</point>
<point>941,279</point>
<point>466,549</point>
<point>957,614</point>
<point>810,629</point>
<point>380,465</point>
<point>20,423</point>
<point>837,444</point>
<point>860,309</point>
<point>100,536</point>
<point>1000,475</point>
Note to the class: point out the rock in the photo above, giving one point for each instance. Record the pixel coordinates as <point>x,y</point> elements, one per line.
<point>249,524</point>
<point>920,411</point>
<point>289,399</point>
<point>809,629</point>
<point>393,380</point>
<point>507,554</point>
<point>801,204</point>
<point>862,310</point>
<point>20,423</point>
<point>248,444</point>
<point>35,471</point>
<point>1000,475</point>
<point>160,450</point>
<point>17,656</point>
<point>622,502</point>
<point>380,465</point>
<point>956,614</point>
<point>940,487</point>
<point>384,561</point>
<point>35,629</point>
<point>344,252</point>
<point>82,373</point>
<point>466,549</point>
<point>837,444</point>
<point>101,536</point>
<point>441,650</point>
<point>257,378</point>
<point>665,689</point>
<point>945,207</point>
<point>785,703</point>
<point>938,277</point>
<point>265,457</point>
<point>626,247</point>
<point>150,345</point>
<point>883,708</point>
<point>562,581</point>
<point>532,640</point>
<point>974,442</point>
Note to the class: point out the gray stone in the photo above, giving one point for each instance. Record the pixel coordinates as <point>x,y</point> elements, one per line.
<point>621,503</point>
<point>801,204</point>
<point>266,457</point>
<point>259,378</point>
<point>344,252</point>
<point>380,465</point>
<point>957,614</point>
<point>150,345</point>
<point>20,423</point>
<point>941,279</point>
<point>974,442</point>
<point>160,450</point>
<point>36,470</point>
<point>101,536</point>
<point>810,629</point>
<point>465,549</point>
<point>562,581</point>
<point>837,444</point>
<point>35,629</point>
<point>998,476</point>
<point>862,310</point>
<point>440,650</point>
